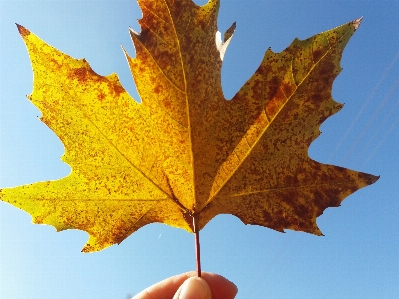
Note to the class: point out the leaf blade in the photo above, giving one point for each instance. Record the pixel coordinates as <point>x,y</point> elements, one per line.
<point>110,155</point>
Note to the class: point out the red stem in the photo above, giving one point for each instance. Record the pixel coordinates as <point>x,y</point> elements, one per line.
<point>197,245</point>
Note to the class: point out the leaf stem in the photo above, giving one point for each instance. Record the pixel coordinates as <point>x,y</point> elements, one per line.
<point>197,245</point>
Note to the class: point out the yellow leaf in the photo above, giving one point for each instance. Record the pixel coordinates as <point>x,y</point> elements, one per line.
<point>186,152</point>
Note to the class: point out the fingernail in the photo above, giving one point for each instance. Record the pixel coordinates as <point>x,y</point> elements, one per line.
<point>195,288</point>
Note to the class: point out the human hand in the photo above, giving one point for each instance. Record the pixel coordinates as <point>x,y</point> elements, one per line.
<point>189,286</point>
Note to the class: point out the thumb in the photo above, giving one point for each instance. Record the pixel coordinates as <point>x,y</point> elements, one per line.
<point>194,288</point>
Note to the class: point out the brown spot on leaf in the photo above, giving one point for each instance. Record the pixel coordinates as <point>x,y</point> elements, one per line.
<point>101,96</point>
<point>80,74</point>
<point>118,89</point>
<point>317,54</point>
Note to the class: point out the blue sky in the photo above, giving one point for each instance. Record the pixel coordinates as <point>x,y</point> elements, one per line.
<point>357,258</point>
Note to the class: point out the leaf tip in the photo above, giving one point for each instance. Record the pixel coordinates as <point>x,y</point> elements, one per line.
<point>316,231</point>
<point>124,50</point>
<point>356,23</point>
<point>374,178</point>
<point>22,30</point>
<point>87,248</point>
<point>229,32</point>
<point>132,31</point>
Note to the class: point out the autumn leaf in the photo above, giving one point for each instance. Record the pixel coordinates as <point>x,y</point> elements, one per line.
<point>185,152</point>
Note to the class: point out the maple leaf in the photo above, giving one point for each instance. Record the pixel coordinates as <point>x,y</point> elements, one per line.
<point>186,153</point>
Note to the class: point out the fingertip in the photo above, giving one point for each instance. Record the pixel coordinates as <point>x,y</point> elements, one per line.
<point>220,286</point>
<point>194,288</point>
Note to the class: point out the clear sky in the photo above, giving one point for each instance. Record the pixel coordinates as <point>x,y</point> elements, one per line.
<point>357,258</point>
